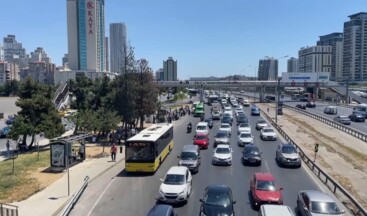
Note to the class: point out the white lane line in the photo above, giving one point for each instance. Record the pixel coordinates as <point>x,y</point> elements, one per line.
<point>100,197</point>
<point>267,167</point>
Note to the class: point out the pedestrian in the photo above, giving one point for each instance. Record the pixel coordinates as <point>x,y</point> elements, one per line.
<point>81,152</point>
<point>267,109</point>
<point>113,152</point>
<point>8,147</point>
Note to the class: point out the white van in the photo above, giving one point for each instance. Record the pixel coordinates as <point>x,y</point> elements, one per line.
<point>361,109</point>
<point>332,110</point>
<point>275,210</point>
<point>202,128</point>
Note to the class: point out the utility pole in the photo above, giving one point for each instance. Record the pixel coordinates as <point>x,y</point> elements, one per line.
<point>347,101</point>
<point>277,105</point>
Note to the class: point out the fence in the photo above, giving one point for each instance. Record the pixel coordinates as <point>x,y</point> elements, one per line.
<point>351,203</point>
<point>8,210</point>
<point>73,201</point>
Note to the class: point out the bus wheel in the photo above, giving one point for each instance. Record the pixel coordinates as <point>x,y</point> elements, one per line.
<point>160,161</point>
<point>169,148</point>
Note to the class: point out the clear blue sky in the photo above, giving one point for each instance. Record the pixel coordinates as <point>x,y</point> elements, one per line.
<point>206,37</point>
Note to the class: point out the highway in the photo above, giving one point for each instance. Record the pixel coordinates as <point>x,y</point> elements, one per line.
<point>118,193</point>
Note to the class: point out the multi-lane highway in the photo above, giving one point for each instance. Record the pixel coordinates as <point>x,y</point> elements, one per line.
<point>124,194</point>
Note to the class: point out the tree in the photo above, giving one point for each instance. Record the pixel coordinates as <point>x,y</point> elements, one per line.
<point>11,87</point>
<point>38,113</point>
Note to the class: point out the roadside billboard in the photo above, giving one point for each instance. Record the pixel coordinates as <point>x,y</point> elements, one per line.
<point>300,77</point>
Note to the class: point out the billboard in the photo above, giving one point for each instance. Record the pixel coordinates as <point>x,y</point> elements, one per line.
<point>309,77</point>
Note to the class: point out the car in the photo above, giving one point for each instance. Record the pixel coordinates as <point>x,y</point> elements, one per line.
<point>227,114</point>
<point>260,124</point>
<point>268,133</point>
<point>245,138</point>
<point>239,111</point>
<point>251,155</point>
<point>226,127</point>
<point>216,115</point>
<point>315,203</point>
<point>217,200</point>
<point>202,128</point>
<point>201,140</point>
<point>242,120</point>
<point>4,132</point>
<point>161,209</point>
<point>210,122</point>
<point>190,157</point>
<point>241,115</point>
<point>243,127</point>
<point>332,110</point>
<point>176,185</point>
<point>246,103</point>
<point>255,111</point>
<point>222,137</point>
<point>234,103</point>
<point>264,190</point>
<point>11,119</point>
<point>240,100</point>
<point>342,120</point>
<point>356,117</point>
<point>275,210</point>
<point>301,106</point>
<point>310,104</point>
<point>287,155</point>
<point>227,120</point>
<point>222,155</point>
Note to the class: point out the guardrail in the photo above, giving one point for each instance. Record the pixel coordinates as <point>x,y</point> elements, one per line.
<point>353,205</point>
<point>73,201</point>
<point>356,133</point>
<point>8,210</point>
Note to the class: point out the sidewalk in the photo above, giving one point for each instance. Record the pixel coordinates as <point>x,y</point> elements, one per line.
<point>54,198</point>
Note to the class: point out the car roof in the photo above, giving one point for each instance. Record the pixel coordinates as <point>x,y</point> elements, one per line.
<point>317,196</point>
<point>251,146</point>
<point>287,145</point>
<point>225,124</point>
<point>276,210</point>
<point>222,132</point>
<point>223,146</point>
<point>190,148</point>
<point>202,123</point>
<point>160,210</point>
<point>264,176</point>
<point>180,170</point>
<point>267,128</point>
<point>261,121</point>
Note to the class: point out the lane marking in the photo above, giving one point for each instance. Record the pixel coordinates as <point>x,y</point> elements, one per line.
<point>100,197</point>
<point>267,167</point>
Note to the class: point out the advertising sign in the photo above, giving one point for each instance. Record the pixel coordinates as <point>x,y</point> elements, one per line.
<point>58,155</point>
<point>306,77</point>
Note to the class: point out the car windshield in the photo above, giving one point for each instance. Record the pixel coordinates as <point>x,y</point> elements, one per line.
<point>201,127</point>
<point>217,198</point>
<point>245,135</point>
<point>261,122</point>
<point>254,109</point>
<point>216,112</point>
<point>289,149</point>
<point>244,125</point>
<point>224,126</point>
<point>222,150</point>
<point>221,135</point>
<point>265,185</point>
<point>200,137</point>
<point>188,156</point>
<point>173,179</point>
<point>344,118</point>
<point>324,208</point>
<point>254,151</point>
<point>268,130</point>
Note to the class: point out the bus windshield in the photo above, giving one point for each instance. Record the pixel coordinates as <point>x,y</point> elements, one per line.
<point>140,154</point>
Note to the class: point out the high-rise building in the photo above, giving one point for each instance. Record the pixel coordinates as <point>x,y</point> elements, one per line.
<point>86,35</point>
<point>14,52</point>
<point>41,72</point>
<point>335,40</point>
<point>117,46</point>
<point>40,55</point>
<point>1,53</point>
<point>268,69</point>
<point>106,54</point>
<point>65,61</point>
<point>159,74</point>
<point>355,47</point>
<point>315,59</point>
<point>292,65</point>
<point>170,70</point>
<point>8,72</point>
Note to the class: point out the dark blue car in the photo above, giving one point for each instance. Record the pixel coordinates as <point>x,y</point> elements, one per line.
<point>4,132</point>
<point>162,210</point>
<point>255,111</point>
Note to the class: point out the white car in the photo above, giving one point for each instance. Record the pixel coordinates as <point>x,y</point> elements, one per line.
<point>176,185</point>
<point>202,128</point>
<point>245,138</point>
<point>216,115</point>
<point>239,111</point>
<point>268,133</point>
<point>244,127</point>
<point>246,103</point>
<point>222,155</point>
<point>226,127</point>
<point>260,124</point>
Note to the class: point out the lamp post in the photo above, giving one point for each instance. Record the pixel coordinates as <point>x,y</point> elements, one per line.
<point>255,79</point>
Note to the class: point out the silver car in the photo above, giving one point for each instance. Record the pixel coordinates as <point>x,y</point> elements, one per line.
<point>287,155</point>
<point>222,137</point>
<point>317,203</point>
<point>260,124</point>
<point>342,119</point>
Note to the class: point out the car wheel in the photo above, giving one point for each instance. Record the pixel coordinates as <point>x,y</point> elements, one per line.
<point>259,163</point>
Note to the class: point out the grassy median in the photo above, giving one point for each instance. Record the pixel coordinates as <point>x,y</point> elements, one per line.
<point>21,184</point>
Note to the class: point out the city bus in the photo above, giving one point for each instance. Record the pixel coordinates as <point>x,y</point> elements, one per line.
<point>146,151</point>
<point>213,99</point>
<point>199,109</point>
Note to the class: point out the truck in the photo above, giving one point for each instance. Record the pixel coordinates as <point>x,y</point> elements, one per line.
<point>199,110</point>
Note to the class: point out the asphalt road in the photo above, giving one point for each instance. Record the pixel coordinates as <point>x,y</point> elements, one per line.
<point>117,193</point>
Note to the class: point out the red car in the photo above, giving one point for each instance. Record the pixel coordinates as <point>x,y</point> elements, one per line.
<point>264,190</point>
<point>202,140</point>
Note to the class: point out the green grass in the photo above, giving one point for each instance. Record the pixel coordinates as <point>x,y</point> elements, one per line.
<point>20,184</point>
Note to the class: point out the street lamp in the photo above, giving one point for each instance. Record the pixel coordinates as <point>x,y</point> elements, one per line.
<point>255,78</point>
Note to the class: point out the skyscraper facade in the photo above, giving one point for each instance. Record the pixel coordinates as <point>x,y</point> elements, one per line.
<point>315,59</point>
<point>117,46</point>
<point>170,70</point>
<point>268,69</point>
<point>292,65</point>
<point>335,40</point>
<point>106,54</point>
<point>86,35</point>
<point>355,47</point>
<point>1,53</point>
<point>14,52</point>
<point>40,55</point>
<point>159,74</point>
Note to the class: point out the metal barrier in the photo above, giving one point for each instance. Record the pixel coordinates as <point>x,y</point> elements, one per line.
<point>356,208</point>
<point>356,133</point>
<point>8,210</point>
<point>73,201</point>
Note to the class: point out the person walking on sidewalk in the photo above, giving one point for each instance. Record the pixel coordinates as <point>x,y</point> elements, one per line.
<point>8,147</point>
<point>113,152</point>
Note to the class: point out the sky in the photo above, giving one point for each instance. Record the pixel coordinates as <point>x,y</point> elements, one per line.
<point>206,37</point>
